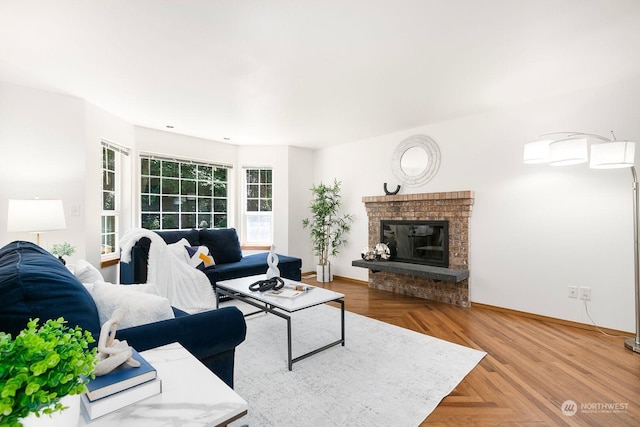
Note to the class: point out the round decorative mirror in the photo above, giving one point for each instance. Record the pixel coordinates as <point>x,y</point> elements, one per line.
<point>416,160</point>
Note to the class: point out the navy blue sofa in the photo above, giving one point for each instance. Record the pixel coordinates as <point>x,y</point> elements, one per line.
<point>35,284</point>
<point>223,245</point>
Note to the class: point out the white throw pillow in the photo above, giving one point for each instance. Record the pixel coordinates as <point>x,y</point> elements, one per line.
<point>178,249</point>
<point>87,273</point>
<point>140,303</point>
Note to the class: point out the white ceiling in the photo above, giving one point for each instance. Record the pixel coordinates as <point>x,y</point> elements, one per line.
<point>314,73</point>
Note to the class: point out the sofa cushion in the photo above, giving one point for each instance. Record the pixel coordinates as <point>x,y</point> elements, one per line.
<point>251,265</point>
<point>142,303</point>
<point>223,244</point>
<point>199,257</point>
<point>87,273</point>
<point>34,283</point>
<point>173,236</point>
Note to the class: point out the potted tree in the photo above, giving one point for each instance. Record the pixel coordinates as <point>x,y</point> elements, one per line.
<point>42,365</point>
<point>327,227</point>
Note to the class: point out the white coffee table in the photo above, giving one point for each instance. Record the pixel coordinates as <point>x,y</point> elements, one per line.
<point>191,395</point>
<point>282,307</point>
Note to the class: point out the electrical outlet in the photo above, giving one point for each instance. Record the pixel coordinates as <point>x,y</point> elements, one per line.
<point>585,294</point>
<point>573,292</point>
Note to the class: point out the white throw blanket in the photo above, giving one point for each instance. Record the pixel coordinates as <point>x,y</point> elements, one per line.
<point>186,287</point>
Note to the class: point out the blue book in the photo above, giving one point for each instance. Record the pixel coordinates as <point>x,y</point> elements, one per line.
<point>121,378</point>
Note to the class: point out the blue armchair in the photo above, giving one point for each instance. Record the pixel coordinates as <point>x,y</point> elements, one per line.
<point>34,283</point>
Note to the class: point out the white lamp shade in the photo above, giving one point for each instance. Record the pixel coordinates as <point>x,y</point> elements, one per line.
<point>610,155</point>
<point>35,215</point>
<point>568,152</point>
<point>537,152</point>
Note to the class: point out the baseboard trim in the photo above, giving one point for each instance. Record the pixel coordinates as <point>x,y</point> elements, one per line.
<point>549,319</point>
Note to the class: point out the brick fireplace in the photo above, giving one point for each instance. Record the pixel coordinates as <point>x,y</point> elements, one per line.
<point>454,207</point>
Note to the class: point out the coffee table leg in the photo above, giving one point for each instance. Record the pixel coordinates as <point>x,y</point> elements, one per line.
<point>289,342</point>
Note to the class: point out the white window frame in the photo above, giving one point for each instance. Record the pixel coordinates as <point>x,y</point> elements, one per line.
<point>246,241</point>
<point>119,151</point>
<point>182,160</point>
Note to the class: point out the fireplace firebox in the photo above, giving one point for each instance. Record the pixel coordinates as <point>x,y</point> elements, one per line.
<point>418,242</point>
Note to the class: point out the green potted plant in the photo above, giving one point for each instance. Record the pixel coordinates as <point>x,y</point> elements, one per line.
<point>327,227</point>
<point>63,249</point>
<point>40,366</point>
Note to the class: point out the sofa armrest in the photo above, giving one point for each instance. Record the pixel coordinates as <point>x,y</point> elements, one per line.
<point>207,335</point>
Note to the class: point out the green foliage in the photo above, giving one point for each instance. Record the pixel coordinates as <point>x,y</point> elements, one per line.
<point>63,249</point>
<point>327,228</point>
<point>40,366</point>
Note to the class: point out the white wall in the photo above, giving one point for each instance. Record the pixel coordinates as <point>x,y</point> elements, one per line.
<point>51,149</point>
<point>535,230</point>
<point>42,145</point>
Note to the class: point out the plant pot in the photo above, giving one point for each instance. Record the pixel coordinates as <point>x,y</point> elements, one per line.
<point>66,418</point>
<point>323,273</point>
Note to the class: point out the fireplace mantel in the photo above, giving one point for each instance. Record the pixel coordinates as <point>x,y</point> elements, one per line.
<point>420,270</point>
<point>450,285</point>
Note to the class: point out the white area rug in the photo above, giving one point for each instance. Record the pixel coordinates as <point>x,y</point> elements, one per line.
<point>384,376</point>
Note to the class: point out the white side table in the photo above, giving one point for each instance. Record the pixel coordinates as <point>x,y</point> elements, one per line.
<point>191,395</point>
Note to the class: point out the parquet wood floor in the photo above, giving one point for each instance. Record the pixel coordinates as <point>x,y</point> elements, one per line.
<point>532,366</point>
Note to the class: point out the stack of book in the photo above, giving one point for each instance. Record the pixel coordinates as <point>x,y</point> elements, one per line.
<point>121,387</point>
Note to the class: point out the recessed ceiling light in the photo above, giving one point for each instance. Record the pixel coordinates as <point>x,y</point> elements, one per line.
<point>226,138</point>
<point>169,126</point>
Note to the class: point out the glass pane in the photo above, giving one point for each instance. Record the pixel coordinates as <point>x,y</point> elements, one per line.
<point>154,167</point>
<point>108,181</point>
<point>265,191</point>
<point>151,221</point>
<point>170,186</point>
<point>219,205</point>
<point>220,190</point>
<point>252,205</point>
<point>204,188</point>
<point>170,204</point>
<point>206,218</point>
<point>149,203</point>
<point>188,204</point>
<point>252,176</point>
<point>111,160</point>
<point>204,204</point>
<point>188,221</point>
<point>205,173</point>
<point>170,222</point>
<point>171,169</point>
<point>188,188</point>
<point>144,166</point>
<point>253,191</point>
<point>220,221</point>
<point>220,174</point>
<point>265,176</point>
<point>188,171</point>
<point>109,224</point>
<point>108,201</point>
<point>265,205</point>
<point>154,185</point>
<point>144,184</point>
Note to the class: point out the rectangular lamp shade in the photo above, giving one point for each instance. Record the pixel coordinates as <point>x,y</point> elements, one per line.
<point>537,152</point>
<point>611,155</point>
<point>568,152</point>
<point>35,216</point>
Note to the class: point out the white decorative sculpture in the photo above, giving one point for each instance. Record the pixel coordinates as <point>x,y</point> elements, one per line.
<point>272,261</point>
<point>112,352</point>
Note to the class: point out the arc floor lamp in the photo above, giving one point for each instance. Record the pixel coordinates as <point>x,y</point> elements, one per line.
<point>570,148</point>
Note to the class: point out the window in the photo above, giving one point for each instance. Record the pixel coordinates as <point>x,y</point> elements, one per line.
<point>258,209</point>
<point>182,194</point>
<point>111,178</point>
